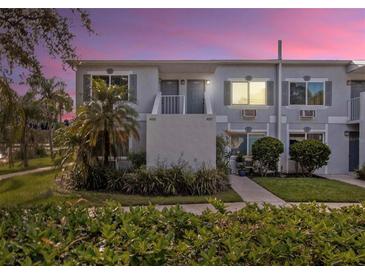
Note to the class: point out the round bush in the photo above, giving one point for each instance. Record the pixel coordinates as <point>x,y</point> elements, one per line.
<point>310,155</point>
<point>266,152</point>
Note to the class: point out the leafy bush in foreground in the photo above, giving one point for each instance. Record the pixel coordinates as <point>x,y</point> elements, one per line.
<point>75,235</point>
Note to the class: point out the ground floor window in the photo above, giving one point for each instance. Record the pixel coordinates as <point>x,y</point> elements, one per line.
<point>122,150</point>
<point>242,143</point>
<point>297,137</point>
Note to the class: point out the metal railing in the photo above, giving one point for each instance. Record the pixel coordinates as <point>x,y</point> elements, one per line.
<point>172,104</point>
<point>353,109</point>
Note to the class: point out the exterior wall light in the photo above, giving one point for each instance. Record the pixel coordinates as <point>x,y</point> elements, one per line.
<point>346,133</point>
<point>182,82</point>
<point>208,82</point>
<point>306,78</point>
<point>248,129</point>
<point>248,78</point>
<point>110,71</point>
<point>307,129</point>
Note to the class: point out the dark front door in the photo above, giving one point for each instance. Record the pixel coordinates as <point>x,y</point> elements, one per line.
<point>353,151</point>
<point>195,96</point>
<point>169,87</point>
<point>170,104</point>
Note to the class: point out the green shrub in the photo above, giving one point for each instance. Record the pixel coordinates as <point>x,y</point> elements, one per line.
<point>174,180</point>
<point>307,234</point>
<point>310,155</point>
<point>222,158</point>
<point>266,152</point>
<point>361,173</point>
<point>137,159</point>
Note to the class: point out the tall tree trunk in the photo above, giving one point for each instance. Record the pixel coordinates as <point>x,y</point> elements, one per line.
<point>10,155</point>
<point>50,139</point>
<point>25,145</point>
<point>106,148</point>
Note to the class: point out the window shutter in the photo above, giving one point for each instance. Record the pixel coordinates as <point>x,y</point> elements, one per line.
<point>284,93</point>
<point>87,87</point>
<point>227,93</point>
<point>132,96</point>
<point>328,93</point>
<point>270,93</point>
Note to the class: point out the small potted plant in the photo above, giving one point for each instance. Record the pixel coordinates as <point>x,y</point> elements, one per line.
<point>240,165</point>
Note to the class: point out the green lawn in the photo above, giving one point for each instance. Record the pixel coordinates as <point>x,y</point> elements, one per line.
<point>33,163</point>
<point>312,189</point>
<point>39,188</point>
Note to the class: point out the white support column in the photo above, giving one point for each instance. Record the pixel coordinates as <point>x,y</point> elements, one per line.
<point>362,129</point>
<point>279,116</point>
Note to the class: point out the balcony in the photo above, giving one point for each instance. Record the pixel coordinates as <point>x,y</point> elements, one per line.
<point>353,109</point>
<point>176,104</point>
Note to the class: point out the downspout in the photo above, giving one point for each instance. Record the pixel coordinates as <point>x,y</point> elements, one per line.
<point>279,81</point>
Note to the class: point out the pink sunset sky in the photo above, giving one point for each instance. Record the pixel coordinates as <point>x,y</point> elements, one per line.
<point>216,34</point>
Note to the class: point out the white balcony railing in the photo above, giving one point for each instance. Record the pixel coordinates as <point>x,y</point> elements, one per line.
<point>172,104</point>
<point>169,104</point>
<point>353,109</point>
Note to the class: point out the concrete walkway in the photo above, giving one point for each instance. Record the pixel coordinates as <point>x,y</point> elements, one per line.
<point>25,172</point>
<point>252,192</point>
<point>346,178</point>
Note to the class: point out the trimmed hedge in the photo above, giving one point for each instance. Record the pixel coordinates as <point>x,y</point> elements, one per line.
<point>74,235</point>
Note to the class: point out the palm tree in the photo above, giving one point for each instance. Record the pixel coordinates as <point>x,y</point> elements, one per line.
<point>30,114</point>
<point>106,121</point>
<point>63,102</point>
<point>9,119</point>
<point>54,99</point>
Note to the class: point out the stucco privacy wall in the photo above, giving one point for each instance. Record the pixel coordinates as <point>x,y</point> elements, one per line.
<point>190,138</point>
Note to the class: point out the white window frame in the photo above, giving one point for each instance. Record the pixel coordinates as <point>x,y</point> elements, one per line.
<point>248,91</point>
<point>315,80</point>
<point>264,133</point>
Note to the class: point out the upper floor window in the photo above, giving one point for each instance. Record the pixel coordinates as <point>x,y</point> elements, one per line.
<point>248,93</point>
<point>307,93</point>
<point>111,80</point>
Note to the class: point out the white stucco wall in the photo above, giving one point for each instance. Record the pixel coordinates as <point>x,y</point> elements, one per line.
<point>188,137</point>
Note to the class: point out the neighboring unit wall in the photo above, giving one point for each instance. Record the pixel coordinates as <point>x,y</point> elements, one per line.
<point>190,138</point>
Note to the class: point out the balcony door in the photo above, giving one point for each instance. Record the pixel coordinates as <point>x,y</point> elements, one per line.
<point>170,101</point>
<point>195,96</point>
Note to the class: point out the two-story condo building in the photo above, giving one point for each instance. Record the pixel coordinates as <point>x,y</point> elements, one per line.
<point>184,104</point>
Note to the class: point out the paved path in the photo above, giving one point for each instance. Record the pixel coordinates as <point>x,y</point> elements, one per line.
<point>25,172</point>
<point>252,192</point>
<point>347,179</point>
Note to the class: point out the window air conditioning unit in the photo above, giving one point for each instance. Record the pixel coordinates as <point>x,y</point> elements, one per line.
<point>307,114</point>
<point>248,113</point>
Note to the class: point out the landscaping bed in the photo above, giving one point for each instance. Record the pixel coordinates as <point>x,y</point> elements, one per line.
<point>72,235</point>
<point>34,189</point>
<point>308,189</point>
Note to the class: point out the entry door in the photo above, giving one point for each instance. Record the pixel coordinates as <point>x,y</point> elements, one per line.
<point>169,87</point>
<point>353,151</point>
<point>195,96</point>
